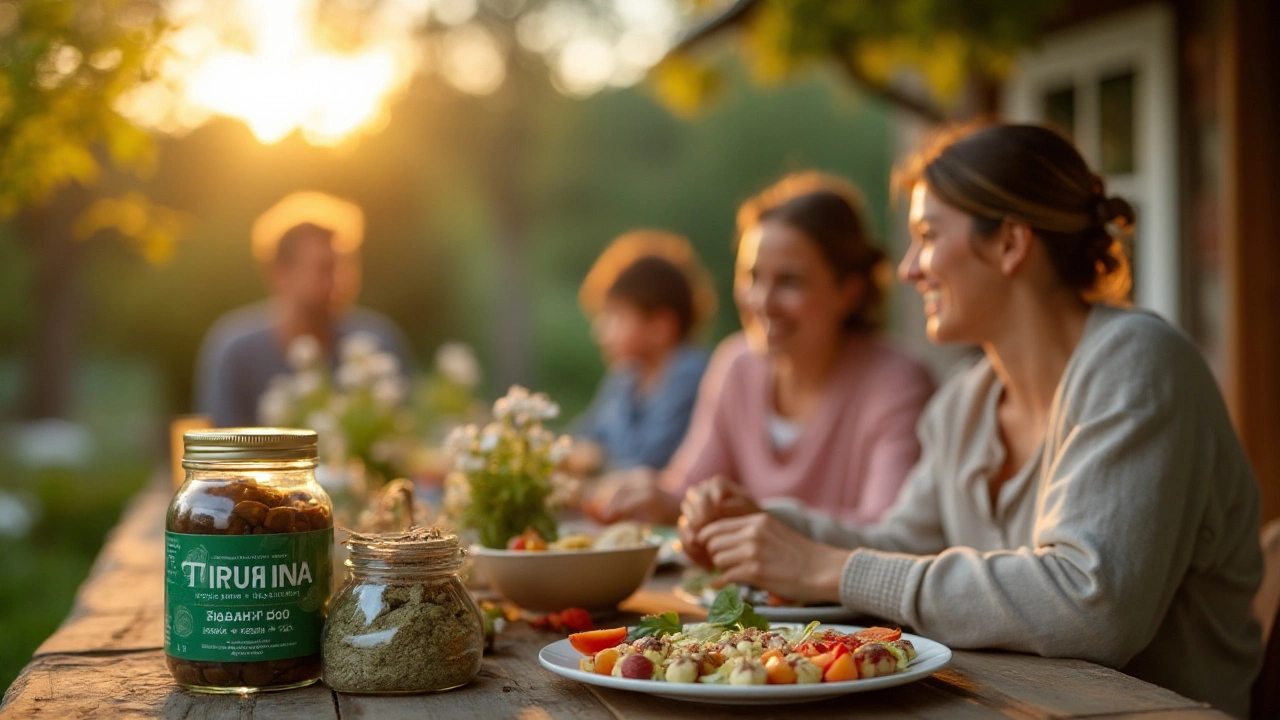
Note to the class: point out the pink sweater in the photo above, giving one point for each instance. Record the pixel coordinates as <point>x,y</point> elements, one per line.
<point>853,453</point>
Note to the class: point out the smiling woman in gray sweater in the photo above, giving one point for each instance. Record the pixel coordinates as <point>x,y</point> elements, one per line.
<point>1080,493</point>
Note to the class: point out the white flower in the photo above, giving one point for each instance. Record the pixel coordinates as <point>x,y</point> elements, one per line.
<point>560,449</point>
<point>524,408</point>
<point>490,437</point>
<point>388,391</point>
<point>457,363</point>
<point>470,463</point>
<point>352,374</point>
<point>564,490</point>
<point>461,439</point>
<point>540,439</point>
<point>358,345</point>
<point>304,352</point>
<point>512,404</point>
<point>383,364</point>
<point>501,408</point>
<point>550,411</point>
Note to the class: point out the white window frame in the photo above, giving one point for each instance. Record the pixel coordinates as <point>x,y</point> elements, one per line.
<point>1143,40</point>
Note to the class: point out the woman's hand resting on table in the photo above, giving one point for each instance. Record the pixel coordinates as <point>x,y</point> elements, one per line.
<point>759,550</point>
<point>633,494</point>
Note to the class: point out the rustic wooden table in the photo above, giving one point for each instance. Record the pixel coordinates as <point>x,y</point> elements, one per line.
<point>107,661</point>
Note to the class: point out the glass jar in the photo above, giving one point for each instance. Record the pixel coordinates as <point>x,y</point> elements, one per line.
<point>248,539</point>
<point>403,623</point>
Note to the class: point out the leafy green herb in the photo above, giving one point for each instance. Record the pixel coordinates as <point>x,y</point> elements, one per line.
<point>730,610</point>
<point>750,618</point>
<point>727,607</point>
<point>668,623</point>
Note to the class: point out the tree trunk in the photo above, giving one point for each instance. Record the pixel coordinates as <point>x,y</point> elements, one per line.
<point>51,350</point>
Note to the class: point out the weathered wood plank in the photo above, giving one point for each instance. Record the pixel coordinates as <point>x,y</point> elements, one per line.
<point>1036,687</point>
<point>506,687</point>
<point>123,590</point>
<point>136,684</point>
<point>142,629</point>
<point>916,701</point>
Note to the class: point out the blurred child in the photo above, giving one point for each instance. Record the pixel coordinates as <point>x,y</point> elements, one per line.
<point>646,296</point>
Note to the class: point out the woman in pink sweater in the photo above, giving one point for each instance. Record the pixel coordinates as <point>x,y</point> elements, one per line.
<point>809,402</point>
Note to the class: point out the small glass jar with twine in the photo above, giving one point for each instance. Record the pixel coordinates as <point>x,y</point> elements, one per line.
<point>403,623</point>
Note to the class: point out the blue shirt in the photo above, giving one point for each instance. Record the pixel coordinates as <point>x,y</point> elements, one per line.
<point>241,355</point>
<point>644,429</point>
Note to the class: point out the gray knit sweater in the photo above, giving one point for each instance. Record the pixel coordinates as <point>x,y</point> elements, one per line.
<point>1130,539</point>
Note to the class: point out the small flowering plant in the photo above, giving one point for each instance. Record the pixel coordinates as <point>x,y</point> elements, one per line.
<point>505,477</point>
<point>358,413</point>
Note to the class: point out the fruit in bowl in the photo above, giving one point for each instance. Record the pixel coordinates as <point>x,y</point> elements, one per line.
<point>544,577</point>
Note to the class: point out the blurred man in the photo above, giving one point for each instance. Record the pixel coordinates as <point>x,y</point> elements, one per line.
<point>308,244</point>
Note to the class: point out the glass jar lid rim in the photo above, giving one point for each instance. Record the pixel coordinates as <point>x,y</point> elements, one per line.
<point>249,443</point>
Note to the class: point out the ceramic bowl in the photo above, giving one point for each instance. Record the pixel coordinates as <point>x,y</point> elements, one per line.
<point>552,580</point>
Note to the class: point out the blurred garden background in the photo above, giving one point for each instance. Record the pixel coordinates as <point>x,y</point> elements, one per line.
<point>495,146</point>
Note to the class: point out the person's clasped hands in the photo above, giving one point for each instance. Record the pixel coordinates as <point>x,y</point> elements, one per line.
<point>722,527</point>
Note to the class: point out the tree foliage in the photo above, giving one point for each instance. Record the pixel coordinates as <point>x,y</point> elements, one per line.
<point>64,66</point>
<point>950,44</point>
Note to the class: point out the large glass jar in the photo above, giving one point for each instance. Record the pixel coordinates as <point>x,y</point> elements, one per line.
<point>247,546</point>
<point>403,623</point>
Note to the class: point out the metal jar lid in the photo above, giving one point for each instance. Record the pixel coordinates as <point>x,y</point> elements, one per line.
<point>249,443</point>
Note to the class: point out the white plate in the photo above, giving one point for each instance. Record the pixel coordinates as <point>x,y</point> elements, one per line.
<point>821,613</point>
<point>560,658</point>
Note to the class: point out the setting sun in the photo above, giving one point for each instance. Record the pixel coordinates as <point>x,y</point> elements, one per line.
<point>285,82</point>
<point>261,64</point>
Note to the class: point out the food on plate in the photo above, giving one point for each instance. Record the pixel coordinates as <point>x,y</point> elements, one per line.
<point>593,641</point>
<point>737,647</point>
<point>708,653</point>
<point>616,536</point>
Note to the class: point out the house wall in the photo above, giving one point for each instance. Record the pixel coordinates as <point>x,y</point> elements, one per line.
<point>1250,93</point>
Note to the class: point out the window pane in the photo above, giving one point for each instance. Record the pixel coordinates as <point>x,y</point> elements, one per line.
<point>1060,109</point>
<point>1115,113</point>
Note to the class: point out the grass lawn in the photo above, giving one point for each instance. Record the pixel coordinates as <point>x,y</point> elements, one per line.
<point>42,571</point>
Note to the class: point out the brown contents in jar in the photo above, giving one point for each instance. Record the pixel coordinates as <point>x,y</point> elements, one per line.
<point>244,507</point>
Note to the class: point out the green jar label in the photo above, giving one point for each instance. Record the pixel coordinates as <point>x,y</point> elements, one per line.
<point>245,598</point>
